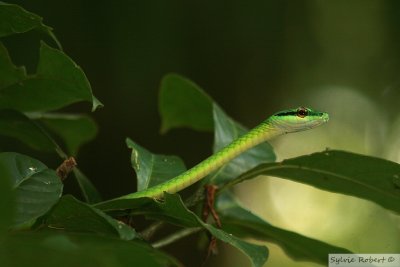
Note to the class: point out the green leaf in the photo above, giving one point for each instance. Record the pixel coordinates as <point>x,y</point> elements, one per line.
<point>16,125</point>
<point>123,204</point>
<point>227,130</point>
<point>73,215</point>
<point>182,103</point>
<point>243,223</point>
<point>36,187</point>
<point>341,172</point>
<point>9,73</point>
<point>49,249</point>
<point>15,20</point>
<point>257,254</point>
<point>89,191</point>
<point>74,130</point>
<point>57,83</point>
<point>152,169</point>
<point>172,210</point>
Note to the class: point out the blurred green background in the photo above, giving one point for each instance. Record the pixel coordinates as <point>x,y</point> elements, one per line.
<point>254,58</point>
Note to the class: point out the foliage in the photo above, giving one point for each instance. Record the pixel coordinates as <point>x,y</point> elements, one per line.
<point>75,231</point>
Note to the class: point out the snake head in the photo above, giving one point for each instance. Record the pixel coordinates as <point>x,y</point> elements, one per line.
<point>298,119</point>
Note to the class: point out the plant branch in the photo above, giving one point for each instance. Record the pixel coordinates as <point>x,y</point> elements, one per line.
<point>147,233</point>
<point>176,236</point>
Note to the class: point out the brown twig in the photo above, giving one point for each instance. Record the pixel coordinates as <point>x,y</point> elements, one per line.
<point>212,249</point>
<point>207,209</point>
<point>65,168</point>
<point>209,204</point>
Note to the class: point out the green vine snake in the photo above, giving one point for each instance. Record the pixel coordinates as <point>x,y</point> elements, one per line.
<point>287,121</point>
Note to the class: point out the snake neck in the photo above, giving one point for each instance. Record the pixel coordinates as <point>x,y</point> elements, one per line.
<point>263,132</point>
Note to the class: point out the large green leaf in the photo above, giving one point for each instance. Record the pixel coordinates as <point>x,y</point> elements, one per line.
<point>152,169</point>
<point>226,130</point>
<point>341,172</point>
<point>241,222</point>
<point>58,82</point>
<point>74,130</point>
<point>182,103</point>
<point>15,20</point>
<point>49,249</point>
<point>72,215</point>
<point>36,187</point>
<point>17,125</point>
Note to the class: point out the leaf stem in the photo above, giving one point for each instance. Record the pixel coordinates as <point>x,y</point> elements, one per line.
<point>176,236</point>
<point>147,233</point>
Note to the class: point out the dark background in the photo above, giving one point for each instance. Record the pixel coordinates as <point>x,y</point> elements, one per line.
<point>253,57</point>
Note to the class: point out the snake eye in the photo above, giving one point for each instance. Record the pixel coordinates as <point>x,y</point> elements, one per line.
<point>302,112</point>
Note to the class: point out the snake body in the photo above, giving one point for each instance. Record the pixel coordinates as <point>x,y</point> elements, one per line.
<point>287,121</point>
